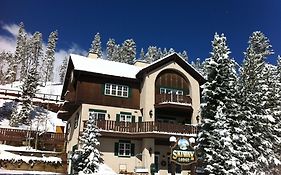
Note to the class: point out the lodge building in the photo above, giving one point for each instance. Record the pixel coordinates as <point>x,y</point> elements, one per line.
<point>140,108</point>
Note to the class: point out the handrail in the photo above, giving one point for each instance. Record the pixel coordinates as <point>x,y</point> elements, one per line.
<point>149,126</point>
<point>43,96</point>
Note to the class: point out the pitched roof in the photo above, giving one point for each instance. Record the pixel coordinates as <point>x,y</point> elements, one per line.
<point>104,67</point>
<point>118,69</point>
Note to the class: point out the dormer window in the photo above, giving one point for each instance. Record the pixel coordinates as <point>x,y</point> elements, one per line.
<point>116,90</point>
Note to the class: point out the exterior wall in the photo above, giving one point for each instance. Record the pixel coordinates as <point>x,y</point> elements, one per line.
<point>115,162</point>
<point>148,91</point>
<point>111,112</point>
<point>73,133</point>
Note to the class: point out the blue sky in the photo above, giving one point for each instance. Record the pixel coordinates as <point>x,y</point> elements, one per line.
<point>181,24</point>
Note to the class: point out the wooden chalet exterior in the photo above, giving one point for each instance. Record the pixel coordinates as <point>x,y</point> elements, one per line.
<point>138,108</point>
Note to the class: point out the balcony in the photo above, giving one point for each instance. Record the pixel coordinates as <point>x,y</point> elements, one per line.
<point>172,98</point>
<point>146,127</point>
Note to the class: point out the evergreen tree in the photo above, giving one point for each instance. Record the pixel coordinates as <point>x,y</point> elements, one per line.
<point>221,141</point>
<point>12,66</point>
<point>88,157</point>
<point>152,54</point>
<point>48,61</point>
<point>110,49</point>
<point>63,68</point>
<point>128,52</point>
<point>184,55</point>
<point>116,55</point>
<point>20,47</point>
<point>29,89</point>
<point>165,52</point>
<point>198,65</point>
<point>255,108</point>
<point>171,50</point>
<point>142,54</point>
<point>96,46</point>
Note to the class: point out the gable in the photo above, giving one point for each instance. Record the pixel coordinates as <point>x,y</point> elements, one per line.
<point>169,59</point>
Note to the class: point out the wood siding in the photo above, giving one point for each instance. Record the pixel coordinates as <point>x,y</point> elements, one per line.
<point>171,79</point>
<point>90,89</point>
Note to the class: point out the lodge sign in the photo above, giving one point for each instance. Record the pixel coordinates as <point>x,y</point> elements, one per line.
<point>182,152</point>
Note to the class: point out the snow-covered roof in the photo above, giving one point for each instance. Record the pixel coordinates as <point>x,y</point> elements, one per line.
<point>105,67</point>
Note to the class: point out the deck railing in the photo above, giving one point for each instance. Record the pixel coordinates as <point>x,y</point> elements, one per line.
<point>42,96</point>
<point>160,98</point>
<point>18,136</point>
<point>150,126</point>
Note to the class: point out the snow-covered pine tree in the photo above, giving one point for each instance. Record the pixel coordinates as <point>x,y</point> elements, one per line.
<point>48,60</point>
<point>183,54</point>
<point>20,46</point>
<point>35,51</point>
<point>29,89</point>
<point>165,52</point>
<point>63,68</point>
<point>159,54</point>
<point>171,50</point>
<point>128,51</point>
<point>110,47</point>
<point>96,45</point>
<point>142,54</point>
<point>198,65</point>
<point>12,66</point>
<point>254,91</point>
<point>30,82</point>
<point>151,54</point>
<point>88,157</point>
<point>220,140</point>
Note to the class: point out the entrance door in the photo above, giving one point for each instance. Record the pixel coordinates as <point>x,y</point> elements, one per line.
<point>156,161</point>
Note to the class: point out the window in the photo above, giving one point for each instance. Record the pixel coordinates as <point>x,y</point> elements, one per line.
<point>125,118</point>
<point>99,114</point>
<point>124,148</point>
<point>171,91</point>
<point>116,90</point>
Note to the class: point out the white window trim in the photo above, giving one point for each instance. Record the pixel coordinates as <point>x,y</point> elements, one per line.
<point>124,90</point>
<point>97,114</point>
<point>125,149</point>
<point>128,118</point>
<point>176,91</point>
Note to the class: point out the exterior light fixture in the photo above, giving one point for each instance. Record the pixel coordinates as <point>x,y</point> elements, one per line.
<point>150,113</point>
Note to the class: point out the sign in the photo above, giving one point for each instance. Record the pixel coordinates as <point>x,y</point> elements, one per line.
<point>183,152</point>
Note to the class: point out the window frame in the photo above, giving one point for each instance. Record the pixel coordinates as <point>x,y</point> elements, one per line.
<point>164,90</point>
<point>126,149</point>
<point>127,118</point>
<point>116,90</point>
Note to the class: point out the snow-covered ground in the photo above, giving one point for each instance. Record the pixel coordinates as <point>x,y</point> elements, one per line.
<point>6,155</point>
<point>50,88</point>
<point>3,171</point>
<point>103,170</point>
<point>42,119</point>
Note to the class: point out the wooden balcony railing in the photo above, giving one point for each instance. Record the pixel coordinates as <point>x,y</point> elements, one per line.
<point>19,136</point>
<point>161,98</point>
<point>146,127</point>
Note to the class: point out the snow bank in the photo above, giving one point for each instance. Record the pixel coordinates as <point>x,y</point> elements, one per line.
<point>3,171</point>
<point>103,170</point>
<point>6,155</point>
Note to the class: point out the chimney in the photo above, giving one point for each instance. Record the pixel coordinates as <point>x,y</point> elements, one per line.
<point>92,55</point>
<point>140,63</point>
